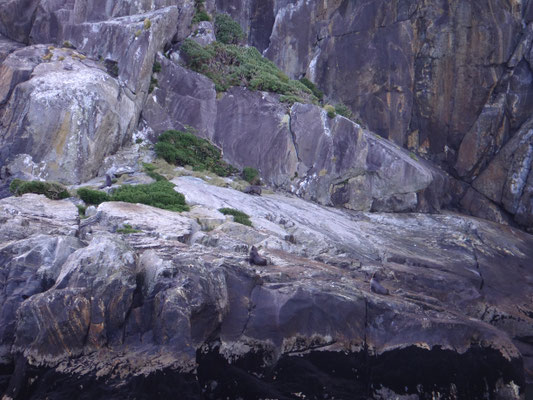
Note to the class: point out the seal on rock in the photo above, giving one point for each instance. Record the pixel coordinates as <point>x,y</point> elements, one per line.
<point>255,258</point>
<point>253,189</point>
<point>376,287</point>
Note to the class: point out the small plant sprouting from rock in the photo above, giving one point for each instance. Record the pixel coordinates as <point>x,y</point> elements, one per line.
<point>149,169</point>
<point>342,109</point>
<point>81,211</point>
<point>251,175</point>
<point>127,229</point>
<point>319,94</point>
<point>330,110</point>
<point>156,68</point>
<point>52,190</point>
<point>227,30</point>
<point>238,216</point>
<point>413,156</point>
<point>138,140</point>
<point>91,196</point>
<point>200,13</point>
<point>153,84</point>
<point>147,24</point>
<point>185,149</point>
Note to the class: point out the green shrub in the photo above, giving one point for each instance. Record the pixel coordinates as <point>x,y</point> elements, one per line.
<point>158,194</point>
<point>330,110</point>
<point>227,30</point>
<point>251,175</point>
<point>52,190</point>
<point>138,141</point>
<point>153,84</point>
<point>127,229</point>
<point>231,65</point>
<point>319,94</point>
<point>183,148</point>
<point>291,99</point>
<point>81,211</point>
<point>156,67</point>
<point>343,110</point>
<point>238,216</point>
<point>200,16</point>
<point>90,196</point>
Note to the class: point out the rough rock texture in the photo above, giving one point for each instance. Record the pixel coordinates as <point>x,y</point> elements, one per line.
<point>301,149</point>
<point>182,98</point>
<point>449,79</point>
<point>185,305</point>
<point>67,133</point>
<point>97,107</point>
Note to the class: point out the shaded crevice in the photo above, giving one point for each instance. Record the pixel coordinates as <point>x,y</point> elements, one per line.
<point>293,137</point>
<point>251,307</point>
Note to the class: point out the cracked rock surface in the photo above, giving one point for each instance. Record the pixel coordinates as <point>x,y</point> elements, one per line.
<point>173,302</point>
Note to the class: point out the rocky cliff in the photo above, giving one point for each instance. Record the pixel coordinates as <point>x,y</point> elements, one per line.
<point>428,184</point>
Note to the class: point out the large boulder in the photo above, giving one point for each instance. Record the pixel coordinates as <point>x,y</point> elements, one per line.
<point>68,116</point>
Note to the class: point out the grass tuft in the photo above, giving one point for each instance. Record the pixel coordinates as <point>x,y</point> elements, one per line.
<point>238,216</point>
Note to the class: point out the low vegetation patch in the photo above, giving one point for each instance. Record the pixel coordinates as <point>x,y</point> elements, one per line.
<point>158,194</point>
<point>330,110</point>
<point>81,211</point>
<point>91,196</point>
<point>251,175</point>
<point>183,148</point>
<point>52,190</point>
<point>230,65</point>
<point>149,169</point>
<point>200,13</point>
<point>319,94</point>
<point>127,229</point>
<point>238,216</point>
<point>342,109</point>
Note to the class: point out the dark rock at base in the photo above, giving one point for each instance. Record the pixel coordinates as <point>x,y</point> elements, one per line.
<point>253,189</point>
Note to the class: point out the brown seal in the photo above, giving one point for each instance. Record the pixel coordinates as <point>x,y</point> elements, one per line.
<point>255,258</point>
<point>253,189</point>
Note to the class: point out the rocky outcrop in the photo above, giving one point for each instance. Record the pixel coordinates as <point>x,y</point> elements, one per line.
<point>90,120</point>
<point>185,304</point>
<point>182,98</point>
<point>447,79</point>
<point>298,148</point>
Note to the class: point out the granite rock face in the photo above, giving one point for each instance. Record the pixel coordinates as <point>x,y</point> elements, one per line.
<point>184,308</point>
<point>67,133</point>
<point>448,79</point>
<point>300,149</point>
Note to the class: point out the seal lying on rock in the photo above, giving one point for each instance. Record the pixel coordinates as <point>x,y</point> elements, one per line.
<point>376,287</point>
<point>255,258</point>
<point>253,189</point>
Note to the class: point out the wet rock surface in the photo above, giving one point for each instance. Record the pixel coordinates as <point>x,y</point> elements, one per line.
<point>177,301</point>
